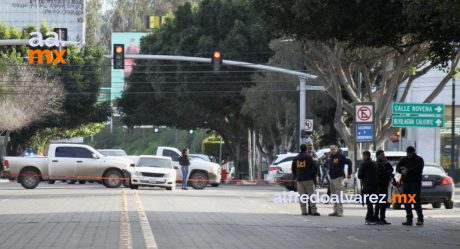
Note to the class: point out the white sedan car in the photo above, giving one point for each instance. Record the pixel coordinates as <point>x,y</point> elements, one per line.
<point>153,171</point>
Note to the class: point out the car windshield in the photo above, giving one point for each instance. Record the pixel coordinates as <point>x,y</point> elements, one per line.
<point>113,152</point>
<point>289,158</point>
<point>154,162</point>
<point>433,170</point>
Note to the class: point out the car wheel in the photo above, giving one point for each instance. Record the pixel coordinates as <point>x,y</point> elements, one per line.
<point>171,188</point>
<point>449,204</point>
<point>199,180</point>
<point>396,205</point>
<point>215,184</point>
<point>29,179</point>
<point>112,179</point>
<point>51,181</point>
<point>436,204</point>
<point>126,183</point>
<point>134,186</point>
<point>82,181</point>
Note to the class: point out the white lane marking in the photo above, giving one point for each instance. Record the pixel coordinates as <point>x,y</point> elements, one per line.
<point>150,241</point>
<point>125,228</point>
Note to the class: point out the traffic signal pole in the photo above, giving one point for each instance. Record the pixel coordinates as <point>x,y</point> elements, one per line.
<point>300,75</point>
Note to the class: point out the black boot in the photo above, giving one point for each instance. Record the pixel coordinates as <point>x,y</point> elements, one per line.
<point>407,223</point>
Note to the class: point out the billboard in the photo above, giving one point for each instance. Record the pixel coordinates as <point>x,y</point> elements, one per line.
<point>68,14</point>
<point>131,40</point>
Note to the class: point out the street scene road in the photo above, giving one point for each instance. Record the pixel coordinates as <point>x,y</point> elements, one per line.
<point>132,124</point>
<point>230,216</point>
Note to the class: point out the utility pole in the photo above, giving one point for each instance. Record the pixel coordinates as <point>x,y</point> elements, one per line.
<point>452,146</point>
<point>302,103</point>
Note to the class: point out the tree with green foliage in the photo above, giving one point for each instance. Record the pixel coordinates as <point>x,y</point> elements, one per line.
<point>191,95</point>
<point>384,43</point>
<point>93,22</point>
<point>79,79</point>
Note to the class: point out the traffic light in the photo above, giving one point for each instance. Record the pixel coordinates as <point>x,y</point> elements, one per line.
<point>118,56</point>
<point>216,60</point>
<point>401,132</point>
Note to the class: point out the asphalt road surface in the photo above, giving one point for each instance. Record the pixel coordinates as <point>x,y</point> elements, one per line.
<point>226,217</point>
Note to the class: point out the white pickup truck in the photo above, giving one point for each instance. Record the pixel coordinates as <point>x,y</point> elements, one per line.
<point>67,162</point>
<point>201,172</point>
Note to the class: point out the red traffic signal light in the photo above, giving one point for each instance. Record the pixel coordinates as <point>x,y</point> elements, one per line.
<point>217,55</point>
<point>118,56</point>
<point>216,60</point>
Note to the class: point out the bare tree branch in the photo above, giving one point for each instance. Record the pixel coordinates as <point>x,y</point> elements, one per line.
<point>27,96</point>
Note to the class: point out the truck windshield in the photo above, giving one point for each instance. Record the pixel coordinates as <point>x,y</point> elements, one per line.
<point>154,162</point>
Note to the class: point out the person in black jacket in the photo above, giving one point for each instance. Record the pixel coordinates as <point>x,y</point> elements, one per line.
<point>312,153</point>
<point>384,176</point>
<point>304,171</point>
<point>368,175</point>
<point>184,162</point>
<point>411,168</point>
<point>336,165</point>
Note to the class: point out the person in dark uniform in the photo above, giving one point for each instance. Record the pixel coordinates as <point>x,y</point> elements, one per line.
<point>384,176</point>
<point>304,171</point>
<point>312,153</point>
<point>368,175</point>
<point>336,165</point>
<point>411,168</point>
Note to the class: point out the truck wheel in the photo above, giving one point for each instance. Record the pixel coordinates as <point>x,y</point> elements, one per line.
<point>449,204</point>
<point>29,179</point>
<point>112,179</point>
<point>436,204</point>
<point>51,181</point>
<point>215,184</point>
<point>126,183</point>
<point>199,180</point>
<point>134,186</point>
<point>71,182</point>
<point>82,181</point>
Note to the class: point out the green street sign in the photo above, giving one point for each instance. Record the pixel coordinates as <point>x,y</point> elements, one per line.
<point>421,122</point>
<point>104,94</point>
<point>421,109</point>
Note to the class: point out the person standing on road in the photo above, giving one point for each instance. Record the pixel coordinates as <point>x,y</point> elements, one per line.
<point>312,153</point>
<point>368,175</point>
<point>304,171</point>
<point>411,167</point>
<point>324,170</point>
<point>384,176</point>
<point>336,165</point>
<point>184,162</point>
